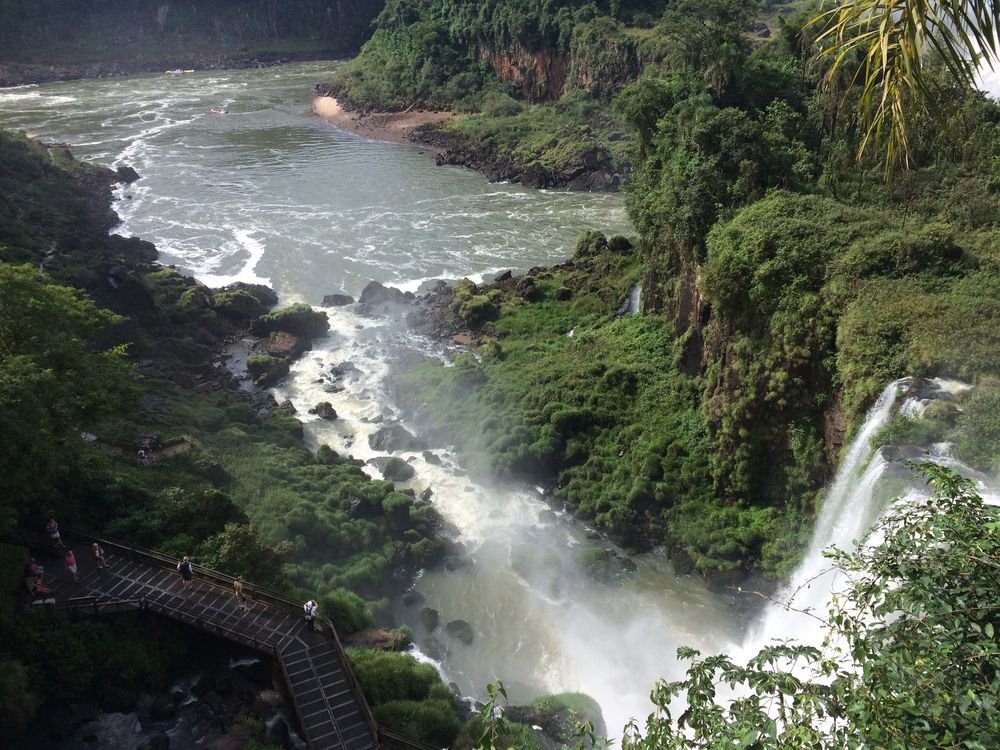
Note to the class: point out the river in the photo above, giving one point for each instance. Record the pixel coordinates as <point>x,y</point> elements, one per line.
<point>271,193</point>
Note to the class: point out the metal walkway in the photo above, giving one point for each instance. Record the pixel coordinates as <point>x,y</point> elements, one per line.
<point>331,708</point>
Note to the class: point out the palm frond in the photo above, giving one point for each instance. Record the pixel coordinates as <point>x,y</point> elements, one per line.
<point>889,41</point>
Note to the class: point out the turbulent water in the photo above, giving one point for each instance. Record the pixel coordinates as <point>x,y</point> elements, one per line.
<point>271,193</point>
<point>268,192</point>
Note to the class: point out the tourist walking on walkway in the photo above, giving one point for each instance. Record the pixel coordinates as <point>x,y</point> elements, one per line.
<point>69,560</point>
<point>97,551</point>
<point>186,571</point>
<point>52,528</point>
<point>311,609</point>
<point>241,598</point>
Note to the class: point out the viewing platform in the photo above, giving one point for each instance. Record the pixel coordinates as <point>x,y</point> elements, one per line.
<point>331,708</point>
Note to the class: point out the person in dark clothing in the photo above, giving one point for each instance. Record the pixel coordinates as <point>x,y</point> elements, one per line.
<point>187,573</point>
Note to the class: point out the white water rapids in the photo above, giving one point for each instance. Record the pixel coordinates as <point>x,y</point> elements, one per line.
<point>269,192</point>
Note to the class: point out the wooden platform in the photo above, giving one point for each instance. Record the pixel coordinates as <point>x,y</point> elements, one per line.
<point>331,708</point>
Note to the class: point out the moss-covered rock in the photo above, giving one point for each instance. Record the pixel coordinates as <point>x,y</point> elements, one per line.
<point>299,319</point>
<point>397,470</point>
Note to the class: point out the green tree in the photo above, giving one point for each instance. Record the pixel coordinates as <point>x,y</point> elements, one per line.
<point>239,551</point>
<point>910,659</point>
<point>890,45</point>
<point>54,381</point>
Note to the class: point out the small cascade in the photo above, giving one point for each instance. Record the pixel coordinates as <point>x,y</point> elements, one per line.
<point>631,305</point>
<point>635,300</point>
<point>850,508</point>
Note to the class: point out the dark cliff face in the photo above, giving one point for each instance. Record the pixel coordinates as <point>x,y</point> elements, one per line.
<point>90,32</point>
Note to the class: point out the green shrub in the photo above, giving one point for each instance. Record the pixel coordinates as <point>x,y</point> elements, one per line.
<point>388,676</point>
<point>347,611</point>
<point>434,721</point>
<point>978,439</point>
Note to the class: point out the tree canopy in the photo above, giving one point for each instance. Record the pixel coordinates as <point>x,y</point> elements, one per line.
<point>54,381</point>
<point>888,47</point>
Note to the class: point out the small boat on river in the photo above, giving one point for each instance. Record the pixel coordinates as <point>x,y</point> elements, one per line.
<point>219,110</point>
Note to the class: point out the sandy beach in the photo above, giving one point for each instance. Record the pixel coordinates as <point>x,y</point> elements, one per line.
<point>382,126</point>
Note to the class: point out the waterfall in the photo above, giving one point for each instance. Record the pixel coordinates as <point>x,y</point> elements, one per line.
<point>848,511</point>
<point>850,508</point>
<point>635,300</point>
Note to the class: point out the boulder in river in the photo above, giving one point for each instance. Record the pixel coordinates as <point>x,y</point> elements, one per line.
<point>461,630</point>
<point>324,410</point>
<point>394,437</point>
<point>397,470</point>
<point>299,319</point>
<point>606,565</point>
<point>430,618</point>
<point>126,174</point>
<point>337,300</point>
<point>376,294</point>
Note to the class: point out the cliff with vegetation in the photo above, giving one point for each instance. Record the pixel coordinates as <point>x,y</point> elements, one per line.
<point>104,352</point>
<point>783,285</point>
<point>52,40</point>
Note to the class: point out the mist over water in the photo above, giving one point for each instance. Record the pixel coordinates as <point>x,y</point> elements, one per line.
<point>270,193</point>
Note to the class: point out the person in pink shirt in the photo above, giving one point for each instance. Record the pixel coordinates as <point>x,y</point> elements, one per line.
<point>69,560</point>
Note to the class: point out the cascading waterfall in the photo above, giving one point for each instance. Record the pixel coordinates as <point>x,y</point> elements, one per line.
<point>848,511</point>
<point>850,508</point>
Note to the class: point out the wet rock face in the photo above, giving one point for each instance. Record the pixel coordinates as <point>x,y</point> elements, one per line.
<point>284,344</point>
<point>377,294</point>
<point>337,300</point>
<point>394,437</point>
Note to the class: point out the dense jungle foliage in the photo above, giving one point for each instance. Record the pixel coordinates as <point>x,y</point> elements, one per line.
<point>140,33</point>
<point>784,284</point>
<point>910,658</point>
<point>96,339</point>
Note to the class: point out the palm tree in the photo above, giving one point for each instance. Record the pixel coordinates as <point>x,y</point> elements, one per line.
<point>888,44</point>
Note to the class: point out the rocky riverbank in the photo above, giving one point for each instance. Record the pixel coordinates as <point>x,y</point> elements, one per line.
<point>590,169</point>
<point>574,156</point>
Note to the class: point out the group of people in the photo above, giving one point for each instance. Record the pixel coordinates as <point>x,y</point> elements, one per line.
<point>34,573</point>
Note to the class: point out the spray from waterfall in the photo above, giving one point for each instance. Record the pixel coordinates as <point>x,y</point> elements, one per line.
<point>851,507</point>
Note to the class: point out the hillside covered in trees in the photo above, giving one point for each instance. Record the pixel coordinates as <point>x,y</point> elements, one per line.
<point>783,282</point>
<point>88,38</point>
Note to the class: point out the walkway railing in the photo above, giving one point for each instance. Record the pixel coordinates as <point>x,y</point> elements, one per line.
<point>98,605</point>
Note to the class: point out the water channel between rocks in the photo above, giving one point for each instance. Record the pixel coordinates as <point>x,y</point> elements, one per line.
<point>270,193</point>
